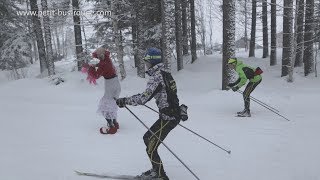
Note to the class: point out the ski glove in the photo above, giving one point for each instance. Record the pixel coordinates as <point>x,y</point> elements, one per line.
<point>121,102</point>
<point>231,85</point>
<point>236,88</point>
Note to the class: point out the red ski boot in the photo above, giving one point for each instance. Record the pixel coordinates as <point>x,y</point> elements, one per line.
<point>108,130</point>
<point>116,124</point>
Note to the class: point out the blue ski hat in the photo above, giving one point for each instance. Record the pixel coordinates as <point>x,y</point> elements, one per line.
<point>153,56</point>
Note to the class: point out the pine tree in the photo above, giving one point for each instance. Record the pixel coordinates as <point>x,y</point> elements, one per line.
<point>39,36</point>
<point>308,57</point>
<point>118,37</point>
<point>165,9</point>
<point>287,36</point>
<point>228,40</point>
<point>300,34</point>
<point>193,32</point>
<point>253,29</point>
<point>140,44</point>
<point>178,23</point>
<point>210,9</point>
<point>245,25</point>
<point>202,26</point>
<point>77,34</point>
<point>185,27</point>
<point>273,52</point>
<point>15,41</point>
<point>265,29</point>
<point>47,34</point>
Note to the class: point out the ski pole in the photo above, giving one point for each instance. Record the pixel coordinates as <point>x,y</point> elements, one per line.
<point>163,143</point>
<point>272,110</point>
<point>265,106</point>
<point>228,151</point>
<point>241,92</point>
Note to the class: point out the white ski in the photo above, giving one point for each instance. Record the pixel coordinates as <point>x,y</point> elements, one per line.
<point>105,176</point>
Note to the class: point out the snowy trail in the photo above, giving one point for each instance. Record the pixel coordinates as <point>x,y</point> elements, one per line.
<point>47,132</point>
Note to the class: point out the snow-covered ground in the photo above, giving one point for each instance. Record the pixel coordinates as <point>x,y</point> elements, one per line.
<point>48,131</point>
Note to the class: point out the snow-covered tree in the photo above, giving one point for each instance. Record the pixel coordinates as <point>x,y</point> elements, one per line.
<point>165,14</point>
<point>184,5</point>
<point>39,36</point>
<point>77,34</point>
<point>273,52</point>
<point>308,57</point>
<point>47,35</point>
<point>300,33</point>
<point>193,31</point>
<point>253,29</point>
<point>179,43</point>
<point>15,52</point>
<point>265,29</point>
<point>287,36</point>
<point>115,7</point>
<point>201,25</point>
<point>228,39</point>
<point>15,42</point>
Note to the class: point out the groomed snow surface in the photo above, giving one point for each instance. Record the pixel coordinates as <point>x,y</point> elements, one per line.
<point>48,131</point>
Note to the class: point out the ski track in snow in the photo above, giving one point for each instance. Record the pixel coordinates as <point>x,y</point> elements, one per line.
<point>47,131</point>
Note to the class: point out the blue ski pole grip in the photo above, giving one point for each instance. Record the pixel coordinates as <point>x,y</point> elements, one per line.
<point>183,112</point>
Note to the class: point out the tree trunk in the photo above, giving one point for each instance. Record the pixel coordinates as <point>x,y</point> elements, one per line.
<point>273,54</point>
<point>184,28</point>
<point>300,34</point>
<point>58,42</point>
<point>253,29</point>
<point>54,44</point>
<point>265,29</point>
<point>193,32</point>
<point>246,25</point>
<point>178,24</point>
<point>210,8</point>
<point>77,34</point>
<point>308,57</point>
<point>293,44</point>
<point>203,28</point>
<point>38,32</point>
<point>165,14</point>
<point>140,49</point>
<point>47,34</point>
<point>64,38</point>
<point>134,43</point>
<point>117,38</point>
<point>228,40</point>
<point>30,30</point>
<point>85,38</point>
<point>287,36</point>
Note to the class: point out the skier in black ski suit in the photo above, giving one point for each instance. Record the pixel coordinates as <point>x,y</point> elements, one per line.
<point>162,87</point>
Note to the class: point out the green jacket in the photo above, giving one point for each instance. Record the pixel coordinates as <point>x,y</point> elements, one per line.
<point>244,71</point>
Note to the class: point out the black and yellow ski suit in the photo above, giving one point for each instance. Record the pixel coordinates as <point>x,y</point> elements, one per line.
<point>162,87</point>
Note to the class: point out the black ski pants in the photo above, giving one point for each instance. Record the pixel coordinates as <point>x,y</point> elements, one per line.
<point>161,129</point>
<point>246,93</point>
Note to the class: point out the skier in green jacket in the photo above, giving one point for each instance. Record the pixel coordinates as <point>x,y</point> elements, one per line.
<point>245,73</point>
